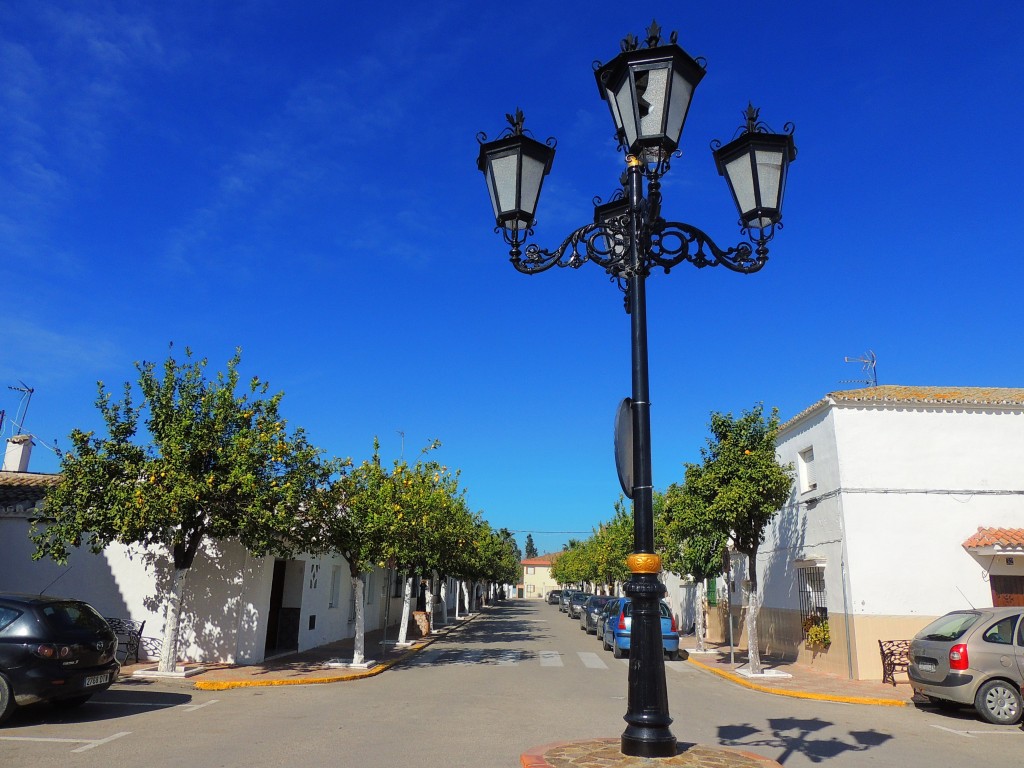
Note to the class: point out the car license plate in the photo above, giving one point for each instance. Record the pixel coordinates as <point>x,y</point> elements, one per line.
<point>926,666</point>
<point>97,680</point>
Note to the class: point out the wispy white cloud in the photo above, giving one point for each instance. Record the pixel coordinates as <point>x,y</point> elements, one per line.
<point>39,354</point>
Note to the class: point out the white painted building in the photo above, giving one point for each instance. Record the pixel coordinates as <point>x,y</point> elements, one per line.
<point>237,608</point>
<point>880,532</point>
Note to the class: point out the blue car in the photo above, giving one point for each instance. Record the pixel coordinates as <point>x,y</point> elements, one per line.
<point>617,628</point>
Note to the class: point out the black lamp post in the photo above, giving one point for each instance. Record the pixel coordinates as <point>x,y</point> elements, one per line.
<point>648,88</point>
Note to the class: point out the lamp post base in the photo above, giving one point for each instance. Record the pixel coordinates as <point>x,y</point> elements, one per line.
<point>605,752</point>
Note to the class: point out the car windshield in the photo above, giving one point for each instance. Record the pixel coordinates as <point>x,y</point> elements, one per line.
<point>72,615</point>
<point>948,628</point>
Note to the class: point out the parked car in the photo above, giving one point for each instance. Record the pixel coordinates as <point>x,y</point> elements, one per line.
<point>616,630</point>
<point>553,596</point>
<point>576,603</point>
<point>973,657</point>
<point>610,608</point>
<point>52,649</point>
<point>563,600</point>
<point>590,611</point>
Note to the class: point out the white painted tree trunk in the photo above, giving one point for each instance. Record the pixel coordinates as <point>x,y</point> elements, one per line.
<point>444,602</point>
<point>359,644</point>
<point>403,631</point>
<point>753,652</point>
<point>172,622</point>
<point>698,619</point>
<point>458,595</point>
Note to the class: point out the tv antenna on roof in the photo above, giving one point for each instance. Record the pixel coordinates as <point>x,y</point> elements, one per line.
<point>26,390</point>
<point>869,364</point>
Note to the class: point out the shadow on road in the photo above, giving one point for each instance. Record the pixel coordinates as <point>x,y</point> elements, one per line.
<point>108,705</point>
<point>792,735</point>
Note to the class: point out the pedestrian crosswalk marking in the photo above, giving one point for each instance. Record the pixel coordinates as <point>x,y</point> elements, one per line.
<point>551,659</point>
<point>591,660</point>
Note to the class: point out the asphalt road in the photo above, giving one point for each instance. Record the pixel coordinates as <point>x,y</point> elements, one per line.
<point>518,676</point>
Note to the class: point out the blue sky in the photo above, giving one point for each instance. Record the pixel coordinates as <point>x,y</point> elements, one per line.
<point>299,180</point>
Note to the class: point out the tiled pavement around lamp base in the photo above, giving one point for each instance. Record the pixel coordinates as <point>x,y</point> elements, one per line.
<point>605,753</point>
<point>309,668</point>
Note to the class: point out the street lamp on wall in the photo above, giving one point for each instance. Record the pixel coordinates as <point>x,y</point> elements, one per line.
<point>649,87</point>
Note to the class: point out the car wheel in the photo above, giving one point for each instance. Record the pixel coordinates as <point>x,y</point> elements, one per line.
<point>7,704</point>
<point>998,702</point>
<point>672,655</point>
<point>617,652</point>
<point>72,702</point>
<point>604,643</point>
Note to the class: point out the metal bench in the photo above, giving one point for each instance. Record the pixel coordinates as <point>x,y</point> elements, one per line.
<point>895,658</point>
<point>129,635</point>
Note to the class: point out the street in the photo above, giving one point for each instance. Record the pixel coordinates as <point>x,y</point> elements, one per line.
<point>518,676</point>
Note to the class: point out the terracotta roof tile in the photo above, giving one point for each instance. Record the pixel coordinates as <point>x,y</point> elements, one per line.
<point>25,488</point>
<point>895,393</point>
<point>544,560</point>
<point>1003,538</point>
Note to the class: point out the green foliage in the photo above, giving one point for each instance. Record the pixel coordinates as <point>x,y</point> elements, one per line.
<point>531,548</point>
<point>691,539</point>
<point>210,462</point>
<point>602,557</point>
<point>740,486</point>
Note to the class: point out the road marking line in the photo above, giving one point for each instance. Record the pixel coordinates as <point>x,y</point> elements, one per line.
<point>591,660</point>
<point>551,659</point>
<point>101,741</point>
<point>194,707</point>
<point>974,734</point>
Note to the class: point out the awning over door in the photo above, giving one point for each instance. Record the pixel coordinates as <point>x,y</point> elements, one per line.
<point>1000,551</point>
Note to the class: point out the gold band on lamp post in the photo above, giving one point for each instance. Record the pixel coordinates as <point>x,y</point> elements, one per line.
<point>644,562</point>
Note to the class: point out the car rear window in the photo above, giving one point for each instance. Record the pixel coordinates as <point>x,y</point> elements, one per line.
<point>7,616</point>
<point>72,615</point>
<point>664,610</point>
<point>948,628</point>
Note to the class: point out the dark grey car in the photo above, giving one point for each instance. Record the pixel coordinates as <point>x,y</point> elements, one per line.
<point>973,657</point>
<point>590,612</point>
<point>576,603</point>
<point>52,649</point>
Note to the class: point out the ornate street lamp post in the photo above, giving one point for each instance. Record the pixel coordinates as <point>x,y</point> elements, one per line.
<point>648,87</point>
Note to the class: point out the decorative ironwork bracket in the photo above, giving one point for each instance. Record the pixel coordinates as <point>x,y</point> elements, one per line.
<point>664,244</point>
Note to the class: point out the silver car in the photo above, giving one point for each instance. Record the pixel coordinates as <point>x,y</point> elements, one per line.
<point>973,657</point>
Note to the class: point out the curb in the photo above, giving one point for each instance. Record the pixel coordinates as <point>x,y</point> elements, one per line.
<point>226,685</point>
<point>739,680</point>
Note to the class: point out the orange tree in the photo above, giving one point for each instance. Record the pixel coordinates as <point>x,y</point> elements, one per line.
<point>196,460</point>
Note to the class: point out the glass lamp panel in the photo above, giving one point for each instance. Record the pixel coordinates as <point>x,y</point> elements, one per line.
<point>679,105</point>
<point>624,107</point>
<point>530,181</point>
<point>769,177</point>
<point>651,94</point>
<point>504,177</point>
<point>741,181</point>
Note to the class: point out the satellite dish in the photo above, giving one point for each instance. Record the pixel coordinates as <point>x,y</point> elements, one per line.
<point>624,446</point>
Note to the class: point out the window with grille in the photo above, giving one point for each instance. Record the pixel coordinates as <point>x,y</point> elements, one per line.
<point>813,605</point>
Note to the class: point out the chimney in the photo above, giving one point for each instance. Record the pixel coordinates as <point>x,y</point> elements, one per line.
<point>19,449</point>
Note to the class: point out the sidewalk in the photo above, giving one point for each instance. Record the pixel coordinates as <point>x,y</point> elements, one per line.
<point>802,683</point>
<point>310,668</point>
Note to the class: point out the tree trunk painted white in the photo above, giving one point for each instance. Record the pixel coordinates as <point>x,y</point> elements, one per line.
<point>403,631</point>
<point>359,644</point>
<point>172,621</point>
<point>698,619</point>
<point>753,652</point>
<point>444,602</point>
<point>458,594</point>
